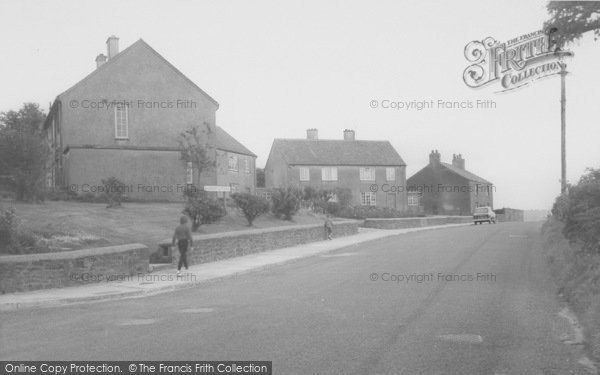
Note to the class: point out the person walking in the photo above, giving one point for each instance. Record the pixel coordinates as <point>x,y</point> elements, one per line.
<point>328,227</point>
<point>183,238</point>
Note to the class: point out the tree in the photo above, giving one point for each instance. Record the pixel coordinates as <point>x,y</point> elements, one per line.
<point>25,154</point>
<point>571,19</point>
<point>251,205</point>
<point>196,149</point>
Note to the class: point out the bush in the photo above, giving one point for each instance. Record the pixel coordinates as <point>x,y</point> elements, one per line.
<point>579,210</point>
<point>114,191</point>
<point>8,230</point>
<point>204,210</point>
<point>14,240</point>
<point>251,205</point>
<point>191,192</point>
<point>286,202</point>
<point>322,200</point>
<point>61,194</point>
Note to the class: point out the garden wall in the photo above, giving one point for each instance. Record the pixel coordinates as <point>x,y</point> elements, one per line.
<point>217,246</point>
<point>414,222</point>
<point>20,273</point>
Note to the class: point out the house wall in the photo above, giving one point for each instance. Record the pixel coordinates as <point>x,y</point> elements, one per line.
<point>148,175</point>
<point>443,192</point>
<point>482,195</point>
<point>388,193</point>
<point>161,104</point>
<point>446,193</point>
<point>245,181</point>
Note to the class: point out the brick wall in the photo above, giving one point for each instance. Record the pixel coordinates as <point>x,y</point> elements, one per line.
<point>213,247</point>
<point>400,223</point>
<point>20,273</point>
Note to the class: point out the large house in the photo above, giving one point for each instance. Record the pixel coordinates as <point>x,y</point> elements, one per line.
<point>449,189</point>
<point>372,170</point>
<point>124,120</point>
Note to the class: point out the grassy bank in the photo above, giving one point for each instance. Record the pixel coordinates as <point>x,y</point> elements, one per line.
<point>75,225</point>
<point>577,274</point>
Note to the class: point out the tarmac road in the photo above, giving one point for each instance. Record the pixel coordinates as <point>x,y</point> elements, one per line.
<point>465,300</point>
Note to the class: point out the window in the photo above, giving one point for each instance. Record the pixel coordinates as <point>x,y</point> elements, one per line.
<point>329,174</point>
<point>368,198</point>
<point>413,200</point>
<point>233,163</point>
<point>390,174</point>
<point>233,188</point>
<point>247,165</point>
<point>121,122</point>
<point>367,174</point>
<point>189,178</point>
<point>304,175</point>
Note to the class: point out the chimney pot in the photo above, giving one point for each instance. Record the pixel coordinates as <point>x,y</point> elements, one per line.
<point>312,133</point>
<point>458,161</point>
<point>112,46</point>
<point>434,158</point>
<point>349,135</point>
<point>100,60</point>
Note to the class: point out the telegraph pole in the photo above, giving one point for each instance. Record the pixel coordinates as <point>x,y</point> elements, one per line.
<point>563,126</point>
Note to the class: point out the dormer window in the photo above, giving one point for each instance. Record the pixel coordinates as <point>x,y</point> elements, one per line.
<point>121,121</point>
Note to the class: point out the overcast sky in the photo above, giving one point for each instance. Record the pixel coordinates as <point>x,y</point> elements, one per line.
<point>278,68</point>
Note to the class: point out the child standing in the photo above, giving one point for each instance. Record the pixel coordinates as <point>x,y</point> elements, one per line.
<point>328,228</point>
<point>183,237</point>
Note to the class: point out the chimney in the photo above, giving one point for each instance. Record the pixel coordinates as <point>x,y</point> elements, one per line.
<point>312,133</point>
<point>100,60</point>
<point>434,158</point>
<point>349,135</point>
<point>458,161</point>
<point>112,46</point>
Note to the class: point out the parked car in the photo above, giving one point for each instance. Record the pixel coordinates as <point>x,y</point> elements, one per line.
<point>482,214</point>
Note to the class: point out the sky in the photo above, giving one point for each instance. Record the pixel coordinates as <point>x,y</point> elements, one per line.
<point>279,67</point>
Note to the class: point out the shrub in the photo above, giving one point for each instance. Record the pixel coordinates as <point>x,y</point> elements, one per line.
<point>286,202</point>
<point>8,230</point>
<point>579,210</point>
<point>192,192</point>
<point>114,191</point>
<point>251,205</point>
<point>204,210</point>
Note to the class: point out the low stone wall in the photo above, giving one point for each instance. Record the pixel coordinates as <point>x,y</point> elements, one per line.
<point>20,273</point>
<point>218,246</point>
<point>415,222</point>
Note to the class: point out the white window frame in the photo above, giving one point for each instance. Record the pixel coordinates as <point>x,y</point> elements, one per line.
<point>329,174</point>
<point>233,168</point>
<point>247,165</point>
<point>368,198</point>
<point>367,174</point>
<point>304,173</point>
<point>390,174</point>
<point>189,173</point>
<point>413,200</point>
<point>121,128</point>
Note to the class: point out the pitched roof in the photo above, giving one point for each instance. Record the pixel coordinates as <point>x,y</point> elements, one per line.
<point>226,142</point>
<point>125,52</point>
<point>466,174</point>
<point>336,152</point>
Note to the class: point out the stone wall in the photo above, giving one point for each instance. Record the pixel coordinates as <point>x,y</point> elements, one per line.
<point>399,223</point>
<point>20,273</point>
<point>218,246</point>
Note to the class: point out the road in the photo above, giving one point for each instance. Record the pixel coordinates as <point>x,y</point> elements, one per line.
<point>479,301</point>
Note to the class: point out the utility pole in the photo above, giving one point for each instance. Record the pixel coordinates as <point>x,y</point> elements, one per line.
<point>563,126</point>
